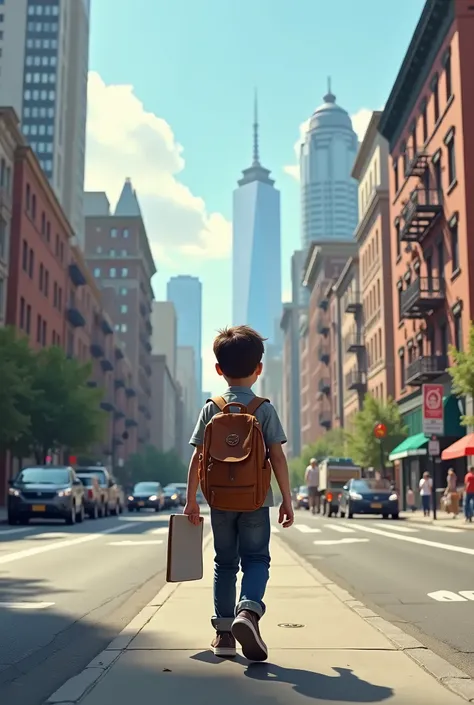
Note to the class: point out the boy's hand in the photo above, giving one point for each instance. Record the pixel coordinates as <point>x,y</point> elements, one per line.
<point>287,515</point>
<point>192,511</point>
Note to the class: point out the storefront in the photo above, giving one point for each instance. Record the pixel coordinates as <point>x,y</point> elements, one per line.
<point>412,454</point>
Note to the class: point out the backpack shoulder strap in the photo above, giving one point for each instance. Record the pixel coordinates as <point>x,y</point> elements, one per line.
<point>220,402</point>
<point>255,404</point>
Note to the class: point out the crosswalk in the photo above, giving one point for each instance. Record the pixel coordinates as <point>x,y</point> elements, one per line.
<point>387,526</point>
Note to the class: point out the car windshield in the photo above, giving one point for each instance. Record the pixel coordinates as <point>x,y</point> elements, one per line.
<point>96,472</point>
<point>370,485</point>
<point>303,490</point>
<point>86,480</point>
<point>44,476</point>
<point>146,487</point>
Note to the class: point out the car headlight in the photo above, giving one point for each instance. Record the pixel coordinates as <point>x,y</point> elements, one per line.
<point>13,492</point>
<point>174,496</point>
<point>393,497</point>
<point>153,497</point>
<point>131,498</point>
<point>355,495</point>
<point>65,493</point>
<point>299,497</point>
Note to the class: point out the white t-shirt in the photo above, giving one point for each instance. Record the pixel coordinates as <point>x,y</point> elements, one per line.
<point>426,486</point>
<point>312,476</point>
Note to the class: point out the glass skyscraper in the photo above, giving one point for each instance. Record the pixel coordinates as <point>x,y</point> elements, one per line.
<point>329,194</point>
<point>256,249</point>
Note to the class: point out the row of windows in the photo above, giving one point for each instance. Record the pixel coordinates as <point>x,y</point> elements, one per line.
<point>41,60</point>
<point>112,252</point>
<point>43,27</point>
<point>371,254</point>
<point>121,327</point>
<point>42,10</point>
<point>39,113</point>
<point>41,43</point>
<point>112,272</point>
<point>40,130</point>
<point>372,301</point>
<point>375,349</point>
<point>49,77</point>
<point>5,176</point>
<point>30,207</point>
<point>39,95</point>
<point>42,147</point>
<point>115,233</point>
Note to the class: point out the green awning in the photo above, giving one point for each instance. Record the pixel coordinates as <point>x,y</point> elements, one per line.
<point>413,445</point>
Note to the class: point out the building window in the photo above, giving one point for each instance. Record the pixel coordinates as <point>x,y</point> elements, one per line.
<point>401,354</point>
<point>404,156</point>
<point>458,330</point>
<point>441,259</point>
<point>123,328</point>
<point>33,206</point>
<point>46,283</point>
<point>424,121</point>
<point>22,313</point>
<point>25,256</point>
<point>124,308</point>
<point>125,232</point>
<point>112,272</point>
<point>438,174</point>
<point>449,142</point>
<point>414,142</point>
<point>399,293</point>
<point>443,334</point>
<point>448,75</point>
<point>395,175</point>
<point>123,291</point>
<point>39,328</point>
<point>112,253</point>
<point>125,272</point>
<point>41,277</point>
<point>454,237</point>
<point>113,232</point>
<point>31,264</point>
<point>397,238</point>
<point>435,87</point>
<point>44,334</point>
<point>99,250</point>
<point>97,272</point>
<point>28,319</point>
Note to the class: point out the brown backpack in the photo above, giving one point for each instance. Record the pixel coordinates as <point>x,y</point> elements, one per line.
<point>234,469</point>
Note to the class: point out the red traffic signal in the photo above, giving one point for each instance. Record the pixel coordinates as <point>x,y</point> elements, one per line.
<point>380,431</point>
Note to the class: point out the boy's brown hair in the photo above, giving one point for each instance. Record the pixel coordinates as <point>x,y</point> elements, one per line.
<point>239,351</point>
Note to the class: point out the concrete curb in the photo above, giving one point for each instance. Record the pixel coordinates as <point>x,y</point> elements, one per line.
<point>77,687</point>
<point>449,676</point>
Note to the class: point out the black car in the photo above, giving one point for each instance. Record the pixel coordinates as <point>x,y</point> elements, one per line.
<point>368,496</point>
<point>171,497</point>
<point>146,495</point>
<point>46,492</point>
<point>301,500</point>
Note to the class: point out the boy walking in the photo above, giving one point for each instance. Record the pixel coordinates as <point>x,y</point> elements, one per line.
<point>237,437</point>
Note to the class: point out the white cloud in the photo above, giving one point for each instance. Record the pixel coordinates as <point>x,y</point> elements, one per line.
<point>124,140</point>
<point>360,123</point>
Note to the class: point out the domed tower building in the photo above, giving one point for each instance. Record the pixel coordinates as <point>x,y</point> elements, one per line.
<point>329,201</point>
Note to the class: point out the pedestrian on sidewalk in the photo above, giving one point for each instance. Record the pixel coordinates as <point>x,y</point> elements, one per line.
<point>426,486</point>
<point>410,499</point>
<point>469,494</point>
<point>311,478</point>
<point>237,442</point>
<point>451,493</point>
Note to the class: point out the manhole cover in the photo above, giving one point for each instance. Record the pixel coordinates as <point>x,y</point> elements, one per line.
<point>291,626</point>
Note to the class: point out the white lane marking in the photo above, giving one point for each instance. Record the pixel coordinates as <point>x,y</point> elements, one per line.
<point>307,529</point>
<point>336,542</point>
<point>445,529</point>
<point>51,535</point>
<point>419,541</point>
<point>25,605</point>
<point>27,553</point>
<point>340,529</point>
<point>5,532</point>
<point>275,530</point>
<point>161,530</point>
<point>446,596</point>
<point>402,529</point>
<point>135,543</point>
<point>468,594</point>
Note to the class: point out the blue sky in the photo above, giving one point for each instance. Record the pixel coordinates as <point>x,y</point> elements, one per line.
<point>170,105</point>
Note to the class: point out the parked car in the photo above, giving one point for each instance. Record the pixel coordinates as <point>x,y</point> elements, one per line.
<point>171,497</point>
<point>301,500</point>
<point>46,492</point>
<point>93,504</point>
<point>181,488</point>
<point>368,496</point>
<point>110,496</point>
<point>146,495</point>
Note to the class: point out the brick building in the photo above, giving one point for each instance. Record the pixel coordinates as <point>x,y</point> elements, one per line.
<point>428,122</point>
<point>10,139</point>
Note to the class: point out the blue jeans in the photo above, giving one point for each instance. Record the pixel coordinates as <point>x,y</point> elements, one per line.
<point>240,539</point>
<point>426,503</point>
<point>469,505</point>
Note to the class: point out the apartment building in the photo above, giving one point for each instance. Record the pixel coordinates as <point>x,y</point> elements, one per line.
<point>164,400</point>
<point>118,253</point>
<point>324,264</point>
<point>428,122</point>
<point>373,301</point>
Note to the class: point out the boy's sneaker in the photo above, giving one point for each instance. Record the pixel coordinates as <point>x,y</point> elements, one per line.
<point>223,645</point>
<point>245,629</point>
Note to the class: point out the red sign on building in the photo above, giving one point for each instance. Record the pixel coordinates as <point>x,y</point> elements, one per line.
<point>433,409</point>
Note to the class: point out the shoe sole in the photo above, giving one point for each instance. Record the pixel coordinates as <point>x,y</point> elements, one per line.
<point>225,653</point>
<point>252,645</point>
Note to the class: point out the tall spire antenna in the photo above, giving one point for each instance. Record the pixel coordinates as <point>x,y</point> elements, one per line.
<point>256,159</point>
<point>329,97</point>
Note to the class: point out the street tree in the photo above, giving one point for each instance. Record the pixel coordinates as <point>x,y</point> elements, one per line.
<point>16,394</point>
<point>462,373</point>
<point>362,445</point>
<point>331,445</point>
<point>65,412</point>
<point>152,465</point>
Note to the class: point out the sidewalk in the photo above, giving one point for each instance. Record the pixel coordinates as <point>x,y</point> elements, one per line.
<point>442,518</point>
<point>324,647</point>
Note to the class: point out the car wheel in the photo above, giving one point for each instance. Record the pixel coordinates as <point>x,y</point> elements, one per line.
<point>385,516</point>
<point>131,509</point>
<point>80,515</point>
<point>120,509</point>
<point>395,515</point>
<point>157,509</point>
<point>71,517</point>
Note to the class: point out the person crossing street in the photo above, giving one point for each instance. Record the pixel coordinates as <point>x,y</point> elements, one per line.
<point>312,483</point>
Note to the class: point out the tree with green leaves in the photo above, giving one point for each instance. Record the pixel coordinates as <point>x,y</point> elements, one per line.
<point>16,394</point>
<point>362,445</point>
<point>462,373</point>
<point>330,445</point>
<point>152,465</point>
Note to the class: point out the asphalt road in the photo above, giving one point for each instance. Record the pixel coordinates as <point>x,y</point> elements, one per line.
<point>66,592</point>
<point>419,577</point>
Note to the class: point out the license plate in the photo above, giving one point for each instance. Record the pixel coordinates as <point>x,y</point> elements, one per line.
<point>141,504</point>
<point>376,506</point>
<point>39,508</point>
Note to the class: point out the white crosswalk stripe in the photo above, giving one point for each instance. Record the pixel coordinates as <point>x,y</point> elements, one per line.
<point>340,529</point>
<point>395,527</point>
<point>307,529</point>
<point>445,529</point>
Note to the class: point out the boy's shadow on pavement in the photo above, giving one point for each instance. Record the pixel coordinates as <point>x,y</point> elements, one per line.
<point>346,687</point>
